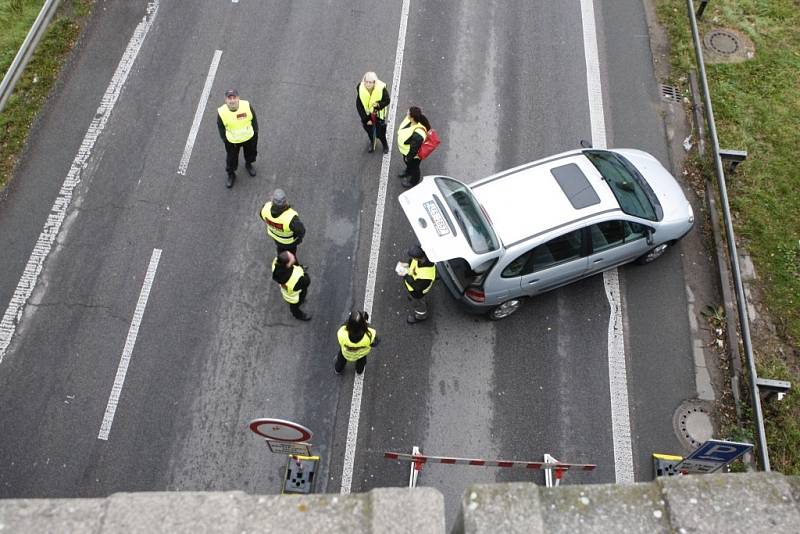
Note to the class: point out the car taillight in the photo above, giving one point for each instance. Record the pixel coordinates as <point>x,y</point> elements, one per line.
<point>474,294</point>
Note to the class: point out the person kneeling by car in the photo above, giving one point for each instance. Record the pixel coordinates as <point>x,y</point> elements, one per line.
<point>419,280</point>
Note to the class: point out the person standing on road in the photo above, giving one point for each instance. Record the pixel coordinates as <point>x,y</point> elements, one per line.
<point>410,136</point>
<point>238,128</point>
<point>372,99</point>
<point>283,223</point>
<point>356,339</point>
<point>418,280</point>
<point>294,282</point>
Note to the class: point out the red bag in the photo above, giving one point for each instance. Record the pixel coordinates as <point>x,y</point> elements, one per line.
<point>429,144</point>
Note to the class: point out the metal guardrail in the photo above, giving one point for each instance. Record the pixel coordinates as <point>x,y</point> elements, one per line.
<point>26,50</point>
<point>741,302</point>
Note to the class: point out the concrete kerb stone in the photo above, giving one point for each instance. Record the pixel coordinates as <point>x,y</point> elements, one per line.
<point>510,507</point>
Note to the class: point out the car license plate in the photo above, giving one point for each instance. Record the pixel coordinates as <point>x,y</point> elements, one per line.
<point>436,217</point>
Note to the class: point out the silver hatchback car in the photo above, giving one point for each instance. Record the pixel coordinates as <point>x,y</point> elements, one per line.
<point>545,224</point>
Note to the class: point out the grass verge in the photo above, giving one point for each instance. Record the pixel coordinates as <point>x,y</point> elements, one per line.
<point>757,109</point>
<point>16,19</point>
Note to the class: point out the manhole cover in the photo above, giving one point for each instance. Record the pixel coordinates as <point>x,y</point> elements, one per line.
<point>722,42</point>
<point>693,423</point>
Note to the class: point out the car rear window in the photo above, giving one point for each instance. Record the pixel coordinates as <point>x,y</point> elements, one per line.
<point>469,215</point>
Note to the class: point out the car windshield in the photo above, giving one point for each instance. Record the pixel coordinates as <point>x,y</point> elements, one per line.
<point>629,188</point>
<point>469,215</point>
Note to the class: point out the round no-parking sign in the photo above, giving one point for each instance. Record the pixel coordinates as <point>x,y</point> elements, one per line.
<point>280,430</point>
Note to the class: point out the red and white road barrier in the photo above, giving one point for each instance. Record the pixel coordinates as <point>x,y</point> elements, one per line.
<point>420,459</point>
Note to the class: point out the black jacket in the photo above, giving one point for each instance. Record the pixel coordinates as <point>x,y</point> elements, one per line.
<point>418,285</point>
<point>363,113</point>
<point>281,274</point>
<point>295,225</point>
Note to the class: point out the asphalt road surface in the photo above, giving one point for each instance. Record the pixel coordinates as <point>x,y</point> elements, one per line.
<point>503,82</point>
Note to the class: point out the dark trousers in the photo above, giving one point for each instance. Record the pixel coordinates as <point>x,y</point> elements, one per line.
<point>295,308</point>
<point>341,362</point>
<point>291,248</point>
<point>412,169</point>
<point>232,153</point>
<point>380,130</point>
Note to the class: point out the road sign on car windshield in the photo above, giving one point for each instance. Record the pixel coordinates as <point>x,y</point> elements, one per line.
<point>712,456</point>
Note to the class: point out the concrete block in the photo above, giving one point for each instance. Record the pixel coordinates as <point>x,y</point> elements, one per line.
<point>753,502</point>
<point>51,515</point>
<point>629,508</point>
<point>507,508</point>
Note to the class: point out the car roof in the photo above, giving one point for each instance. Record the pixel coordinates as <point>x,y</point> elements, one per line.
<point>528,200</point>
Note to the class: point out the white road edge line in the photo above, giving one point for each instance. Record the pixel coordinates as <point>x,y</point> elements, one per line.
<point>617,373</point>
<point>198,115</point>
<point>374,251</point>
<point>55,218</point>
<point>130,341</point>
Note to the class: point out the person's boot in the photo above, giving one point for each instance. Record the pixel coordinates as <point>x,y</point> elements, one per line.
<point>402,174</point>
<point>303,317</point>
<point>407,183</point>
<point>371,146</point>
<point>250,169</point>
<point>385,149</point>
<point>230,180</point>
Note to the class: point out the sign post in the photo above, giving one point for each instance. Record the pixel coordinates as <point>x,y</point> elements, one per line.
<point>292,439</point>
<point>709,457</point>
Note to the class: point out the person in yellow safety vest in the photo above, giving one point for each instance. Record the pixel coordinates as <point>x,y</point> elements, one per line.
<point>356,339</point>
<point>418,281</point>
<point>282,223</point>
<point>372,100</point>
<point>294,282</point>
<point>238,128</point>
<point>410,136</point>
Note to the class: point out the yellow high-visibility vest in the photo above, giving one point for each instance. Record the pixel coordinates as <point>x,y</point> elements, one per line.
<point>354,351</point>
<point>239,123</point>
<point>369,99</point>
<point>421,273</point>
<point>278,227</point>
<point>404,133</point>
<point>287,289</point>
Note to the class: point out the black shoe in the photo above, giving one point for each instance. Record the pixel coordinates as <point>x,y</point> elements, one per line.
<point>411,319</point>
<point>371,147</point>
<point>335,370</point>
<point>407,183</point>
<point>304,317</point>
<point>385,149</point>
<point>230,180</point>
<point>250,170</point>
<point>361,371</point>
<point>402,174</point>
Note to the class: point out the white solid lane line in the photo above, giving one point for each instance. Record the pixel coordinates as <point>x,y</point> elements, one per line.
<point>374,252</point>
<point>130,341</point>
<point>44,243</point>
<point>198,114</point>
<point>617,373</point>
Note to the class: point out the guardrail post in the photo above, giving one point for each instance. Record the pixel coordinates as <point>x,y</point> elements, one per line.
<point>702,8</point>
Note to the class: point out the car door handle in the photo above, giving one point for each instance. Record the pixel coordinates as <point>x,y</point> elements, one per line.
<point>598,260</point>
<point>533,281</point>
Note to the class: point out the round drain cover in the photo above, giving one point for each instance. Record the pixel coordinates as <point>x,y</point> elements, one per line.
<point>693,423</point>
<point>722,42</point>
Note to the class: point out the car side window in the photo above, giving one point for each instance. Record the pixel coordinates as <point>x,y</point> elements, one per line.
<point>561,249</point>
<point>609,234</point>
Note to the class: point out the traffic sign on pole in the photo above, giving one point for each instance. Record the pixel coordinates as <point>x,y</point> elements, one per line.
<point>712,456</point>
<point>280,430</point>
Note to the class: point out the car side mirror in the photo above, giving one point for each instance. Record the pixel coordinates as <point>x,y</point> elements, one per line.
<point>586,144</point>
<point>649,236</point>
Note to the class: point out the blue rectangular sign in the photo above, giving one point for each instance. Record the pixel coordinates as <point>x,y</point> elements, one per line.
<point>712,455</point>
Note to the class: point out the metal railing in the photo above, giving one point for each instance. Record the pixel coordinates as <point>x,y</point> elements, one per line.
<point>26,50</point>
<point>741,302</point>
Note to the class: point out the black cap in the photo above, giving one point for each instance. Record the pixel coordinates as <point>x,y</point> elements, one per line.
<point>416,252</point>
<point>231,92</point>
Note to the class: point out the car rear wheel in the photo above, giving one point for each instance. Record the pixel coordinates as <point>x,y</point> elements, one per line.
<point>505,309</point>
<point>653,254</point>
